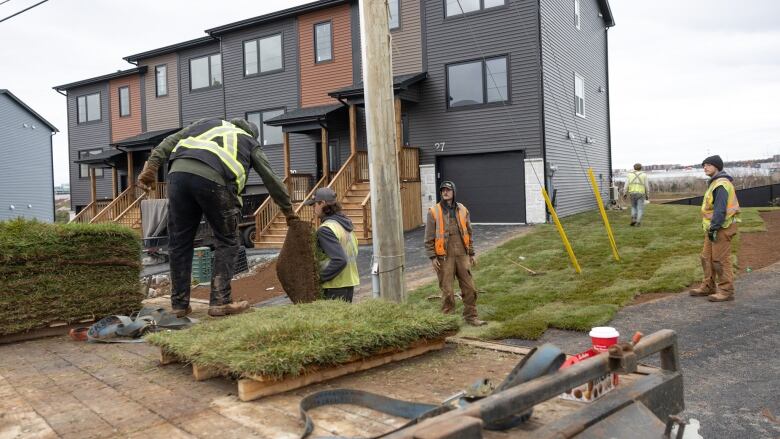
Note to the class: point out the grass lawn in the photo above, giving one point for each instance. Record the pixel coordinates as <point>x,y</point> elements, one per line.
<point>660,256</point>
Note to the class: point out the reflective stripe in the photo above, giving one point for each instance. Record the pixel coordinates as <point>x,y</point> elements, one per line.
<point>440,238</point>
<point>349,276</point>
<point>637,184</point>
<point>708,201</point>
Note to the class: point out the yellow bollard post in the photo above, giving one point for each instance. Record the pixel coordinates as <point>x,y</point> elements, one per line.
<point>561,232</point>
<point>600,202</point>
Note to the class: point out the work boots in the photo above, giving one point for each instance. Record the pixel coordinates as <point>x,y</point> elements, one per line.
<point>720,296</point>
<point>700,292</point>
<point>230,308</point>
<point>475,322</point>
<point>182,312</point>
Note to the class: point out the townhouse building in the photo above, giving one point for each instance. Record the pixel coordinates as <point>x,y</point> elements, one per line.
<point>504,97</point>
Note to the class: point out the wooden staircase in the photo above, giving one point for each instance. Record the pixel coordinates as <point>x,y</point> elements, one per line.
<point>125,209</point>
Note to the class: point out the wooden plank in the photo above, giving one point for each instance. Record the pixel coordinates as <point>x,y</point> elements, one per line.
<point>54,330</point>
<point>254,387</point>
<point>167,357</point>
<point>489,345</point>
<point>202,373</point>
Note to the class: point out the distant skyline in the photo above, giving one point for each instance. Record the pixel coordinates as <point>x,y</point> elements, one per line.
<point>688,79</point>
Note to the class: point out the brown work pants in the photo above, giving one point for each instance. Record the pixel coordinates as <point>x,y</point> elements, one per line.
<point>460,267</point>
<point>716,262</point>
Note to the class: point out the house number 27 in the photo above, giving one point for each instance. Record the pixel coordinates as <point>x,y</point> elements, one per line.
<point>439,146</point>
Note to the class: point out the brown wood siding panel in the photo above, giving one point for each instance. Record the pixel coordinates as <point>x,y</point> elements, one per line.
<point>407,47</point>
<point>319,79</point>
<point>128,126</point>
<point>162,112</point>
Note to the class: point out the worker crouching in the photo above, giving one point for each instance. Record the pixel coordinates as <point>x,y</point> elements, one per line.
<point>449,245</point>
<point>337,246</point>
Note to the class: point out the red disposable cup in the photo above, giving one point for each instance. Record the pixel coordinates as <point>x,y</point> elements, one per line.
<point>603,337</point>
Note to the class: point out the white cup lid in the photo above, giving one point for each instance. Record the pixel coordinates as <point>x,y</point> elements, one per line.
<point>604,332</point>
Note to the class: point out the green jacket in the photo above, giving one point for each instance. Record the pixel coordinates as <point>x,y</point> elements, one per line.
<point>276,188</point>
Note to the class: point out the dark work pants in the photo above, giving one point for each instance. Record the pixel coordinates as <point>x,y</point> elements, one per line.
<point>189,197</point>
<point>344,293</point>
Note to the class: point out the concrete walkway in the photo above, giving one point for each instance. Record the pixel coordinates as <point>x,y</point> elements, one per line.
<point>728,352</point>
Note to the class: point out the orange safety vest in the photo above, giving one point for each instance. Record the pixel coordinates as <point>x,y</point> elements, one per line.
<point>440,241</point>
<point>732,205</point>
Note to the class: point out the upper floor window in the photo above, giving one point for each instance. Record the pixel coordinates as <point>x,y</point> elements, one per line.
<point>84,169</point>
<point>579,95</point>
<point>394,10</point>
<point>88,108</point>
<point>323,42</point>
<point>124,101</point>
<point>268,135</point>
<point>577,14</point>
<point>459,7</point>
<point>263,55</point>
<point>477,82</point>
<point>206,71</point>
<point>161,80</point>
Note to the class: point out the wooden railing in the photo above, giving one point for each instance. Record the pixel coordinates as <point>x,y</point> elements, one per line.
<point>306,213</point>
<point>361,158</point>
<point>298,186</point>
<point>345,178</point>
<point>89,211</point>
<point>266,212</point>
<point>411,207</point>
<point>160,191</point>
<point>113,211</point>
<point>409,164</point>
<point>366,206</point>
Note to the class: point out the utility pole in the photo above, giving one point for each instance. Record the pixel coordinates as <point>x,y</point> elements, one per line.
<point>386,221</point>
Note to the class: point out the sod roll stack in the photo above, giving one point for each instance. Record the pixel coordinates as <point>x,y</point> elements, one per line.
<point>286,341</point>
<point>65,273</point>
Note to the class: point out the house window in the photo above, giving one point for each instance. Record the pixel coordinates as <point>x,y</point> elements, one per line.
<point>84,169</point>
<point>460,7</point>
<point>88,108</point>
<point>323,42</point>
<point>477,82</point>
<point>577,14</point>
<point>263,55</point>
<point>124,101</point>
<point>161,80</point>
<point>394,14</point>
<point>268,135</point>
<point>206,71</point>
<point>579,95</point>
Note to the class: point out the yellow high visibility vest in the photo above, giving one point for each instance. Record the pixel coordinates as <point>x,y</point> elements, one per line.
<point>440,239</point>
<point>636,182</point>
<point>349,276</point>
<point>227,153</point>
<point>732,205</point>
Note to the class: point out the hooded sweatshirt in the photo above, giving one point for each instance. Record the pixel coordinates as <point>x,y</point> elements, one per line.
<point>721,199</point>
<point>330,244</point>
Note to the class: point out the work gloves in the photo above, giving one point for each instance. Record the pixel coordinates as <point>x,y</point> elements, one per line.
<point>712,234</point>
<point>148,176</point>
<point>290,217</point>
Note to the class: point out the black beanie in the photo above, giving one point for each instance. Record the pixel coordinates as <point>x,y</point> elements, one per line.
<point>715,161</point>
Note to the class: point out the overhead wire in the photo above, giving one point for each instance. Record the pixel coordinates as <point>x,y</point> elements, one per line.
<point>22,11</point>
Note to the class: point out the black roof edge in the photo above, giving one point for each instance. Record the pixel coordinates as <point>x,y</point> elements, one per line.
<point>606,12</point>
<point>26,107</point>
<point>296,10</point>
<point>169,49</point>
<point>397,86</point>
<point>117,74</point>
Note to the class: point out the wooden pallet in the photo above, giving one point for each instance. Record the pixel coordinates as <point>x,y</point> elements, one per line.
<point>251,387</point>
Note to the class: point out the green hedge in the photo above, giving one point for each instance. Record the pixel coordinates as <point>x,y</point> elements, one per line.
<point>65,272</point>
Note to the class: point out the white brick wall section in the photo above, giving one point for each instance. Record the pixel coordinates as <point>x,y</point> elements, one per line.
<point>534,202</point>
<point>427,188</point>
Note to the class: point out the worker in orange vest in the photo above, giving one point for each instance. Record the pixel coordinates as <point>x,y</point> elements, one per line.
<point>720,215</point>
<point>449,245</point>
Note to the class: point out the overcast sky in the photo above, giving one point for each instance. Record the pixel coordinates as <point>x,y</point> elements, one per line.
<point>688,78</point>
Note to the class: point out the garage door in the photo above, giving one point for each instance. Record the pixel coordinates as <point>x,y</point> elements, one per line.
<point>492,186</point>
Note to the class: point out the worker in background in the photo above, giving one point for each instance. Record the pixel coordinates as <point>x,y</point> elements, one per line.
<point>337,246</point>
<point>638,192</point>
<point>210,160</point>
<point>720,215</point>
<point>449,245</point>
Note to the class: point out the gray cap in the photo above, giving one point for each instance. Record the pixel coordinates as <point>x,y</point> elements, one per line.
<point>326,194</point>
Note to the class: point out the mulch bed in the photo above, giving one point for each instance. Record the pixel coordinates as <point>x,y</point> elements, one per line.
<point>760,249</point>
<point>255,288</point>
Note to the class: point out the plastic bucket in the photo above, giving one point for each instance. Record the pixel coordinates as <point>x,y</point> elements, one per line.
<point>603,337</point>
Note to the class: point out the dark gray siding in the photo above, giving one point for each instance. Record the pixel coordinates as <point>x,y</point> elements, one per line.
<point>266,91</point>
<point>511,31</point>
<point>357,57</point>
<point>566,50</point>
<point>25,164</point>
<point>91,135</point>
<point>199,103</point>
<point>303,152</point>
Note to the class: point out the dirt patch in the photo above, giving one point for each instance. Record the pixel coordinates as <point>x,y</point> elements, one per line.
<point>760,249</point>
<point>256,287</point>
<point>649,297</point>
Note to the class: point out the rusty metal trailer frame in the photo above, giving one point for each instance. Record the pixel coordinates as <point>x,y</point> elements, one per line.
<point>661,392</point>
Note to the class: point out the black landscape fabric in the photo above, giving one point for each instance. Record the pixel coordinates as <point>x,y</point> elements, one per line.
<point>296,266</point>
<point>52,273</point>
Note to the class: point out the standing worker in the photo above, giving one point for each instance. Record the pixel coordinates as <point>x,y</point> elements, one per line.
<point>337,246</point>
<point>638,192</point>
<point>210,160</point>
<point>720,215</point>
<point>449,245</point>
